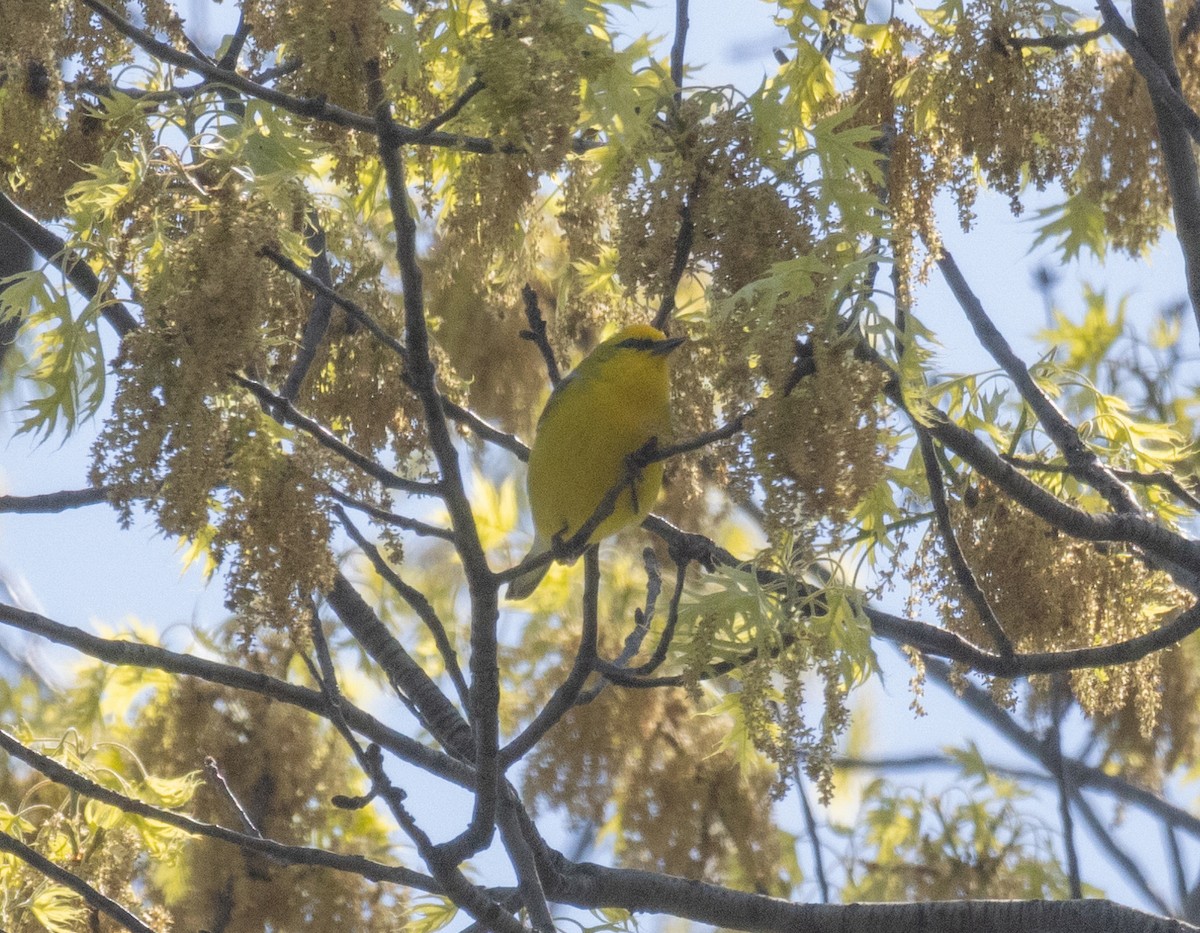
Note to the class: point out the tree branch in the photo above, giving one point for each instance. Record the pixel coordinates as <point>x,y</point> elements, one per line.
<point>587,885</point>
<point>288,413</point>
<point>92,897</point>
<point>481,582</point>
<point>1178,124</point>
<point>53,502</point>
<point>314,108</point>
<point>1083,461</point>
<point>416,601</point>
<point>284,854</point>
<point>1124,861</point>
<point>958,561</point>
<point>585,658</point>
<point>54,250</point>
<point>136,654</point>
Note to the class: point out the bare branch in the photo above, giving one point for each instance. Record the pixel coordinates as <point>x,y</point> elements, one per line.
<point>314,108</point>
<point>1080,774</point>
<point>537,333</point>
<point>416,601</point>
<point>481,582</point>
<point>1083,461</point>
<point>136,654</point>
<point>279,852</point>
<point>958,561</point>
<point>216,780</point>
<point>453,110</point>
<point>1124,861</point>
<point>92,897</point>
<point>405,674</point>
<point>54,250</point>
<point>52,502</point>
<point>568,691</point>
<point>588,885</point>
<point>1153,55</point>
<point>1161,478</point>
<point>677,56</point>
<point>814,837</point>
<point>414,525</point>
<point>683,252</point>
<point>291,415</point>
<point>1052,758</point>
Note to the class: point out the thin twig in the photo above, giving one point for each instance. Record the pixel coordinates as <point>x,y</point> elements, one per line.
<point>1161,478</point>
<point>138,654</point>
<point>537,333</point>
<point>216,780</point>
<point>1081,774</point>
<point>1084,463</point>
<point>276,851</point>
<point>810,824</point>
<point>314,108</point>
<point>91,897</point>
<point>453,110</point>
<point>1172,548</point>
<point>417,602</point>
<point>1122,858</point>
<point>54,250</point>
<point>1053,759</point>
<point>322,288</point>
<point>461,415</point>
<point>567,692</point>
<point>958,561</point>
<point>664,643</point>
<point>416,526</point>
<point>1178,872</point>
<point>237,42</point>
<point>683,253</point>
<point>474,901</point>
<point>288,413</point>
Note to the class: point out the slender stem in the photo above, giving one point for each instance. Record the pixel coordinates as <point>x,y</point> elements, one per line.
<point>1053,759</point>
<point>565,695</point>
<point>958,561</point>
<point>1083,461</point>
<point>814,837</point>
<point>417,602</point>
<point>91,897</point>
<point>1124,861</point>
<point>288,413</point>
<point>54,250</point>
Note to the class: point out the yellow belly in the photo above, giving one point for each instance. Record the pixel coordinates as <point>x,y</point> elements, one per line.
<point>580,454</point>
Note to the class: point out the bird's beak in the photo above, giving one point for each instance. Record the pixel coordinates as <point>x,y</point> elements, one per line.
<point>663,347</point>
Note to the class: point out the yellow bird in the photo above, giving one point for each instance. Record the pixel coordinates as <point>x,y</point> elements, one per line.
<point>610,406</point>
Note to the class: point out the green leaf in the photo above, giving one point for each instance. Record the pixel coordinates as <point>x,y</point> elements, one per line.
<point>1073,226</point>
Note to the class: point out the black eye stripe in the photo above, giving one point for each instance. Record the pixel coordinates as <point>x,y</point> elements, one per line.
<point>638,343</point>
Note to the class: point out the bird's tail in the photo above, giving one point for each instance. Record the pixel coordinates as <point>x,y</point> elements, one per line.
<point>524,585</point>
